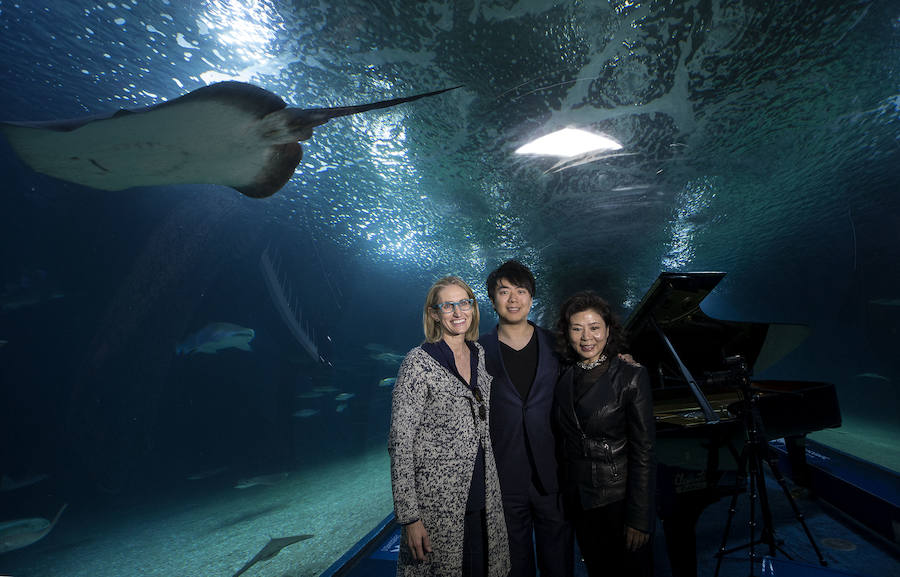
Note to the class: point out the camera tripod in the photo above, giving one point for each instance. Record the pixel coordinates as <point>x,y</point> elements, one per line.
<point>750,472</point>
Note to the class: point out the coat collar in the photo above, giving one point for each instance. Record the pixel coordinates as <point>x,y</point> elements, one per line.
<point>440,351</point>
<point>566,387</point>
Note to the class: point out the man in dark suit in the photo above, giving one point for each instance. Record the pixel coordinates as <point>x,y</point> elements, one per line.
<point>520,357</point>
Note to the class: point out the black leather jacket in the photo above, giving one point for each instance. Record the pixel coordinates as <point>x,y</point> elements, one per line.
<point>609,455</point>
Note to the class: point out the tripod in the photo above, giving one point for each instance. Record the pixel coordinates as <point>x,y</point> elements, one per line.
<point>750,471</point>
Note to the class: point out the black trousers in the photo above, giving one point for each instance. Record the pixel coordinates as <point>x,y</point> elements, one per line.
<point>601,538</point>
<point>537,523</point>
<point>475,549</point>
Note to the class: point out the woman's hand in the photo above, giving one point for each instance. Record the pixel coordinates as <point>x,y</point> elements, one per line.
<point>418,540</point>
<point>635,539</point>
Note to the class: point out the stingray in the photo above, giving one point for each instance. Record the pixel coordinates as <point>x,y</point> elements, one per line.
<point>23,532</point>
<point>272,548</point>
<point>230,133</point>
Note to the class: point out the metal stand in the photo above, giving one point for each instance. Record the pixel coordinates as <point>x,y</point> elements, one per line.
<point>750,472</point>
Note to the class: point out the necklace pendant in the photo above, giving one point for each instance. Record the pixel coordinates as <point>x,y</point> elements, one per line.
<point>591,365</point>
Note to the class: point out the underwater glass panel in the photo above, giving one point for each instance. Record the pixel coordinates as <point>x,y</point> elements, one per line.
<point>193,371</point>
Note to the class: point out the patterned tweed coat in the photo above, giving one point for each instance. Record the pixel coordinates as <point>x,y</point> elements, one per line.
<point>433,443</point>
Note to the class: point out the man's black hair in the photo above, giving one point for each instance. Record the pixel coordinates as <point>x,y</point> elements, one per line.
<point>513,271</point>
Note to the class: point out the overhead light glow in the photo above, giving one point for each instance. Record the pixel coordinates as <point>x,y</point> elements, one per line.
<point>569,142</point>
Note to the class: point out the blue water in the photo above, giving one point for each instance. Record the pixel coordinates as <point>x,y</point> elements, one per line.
<point>762,140</point>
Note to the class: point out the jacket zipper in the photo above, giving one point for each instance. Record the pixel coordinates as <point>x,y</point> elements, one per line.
<point>609,457</point>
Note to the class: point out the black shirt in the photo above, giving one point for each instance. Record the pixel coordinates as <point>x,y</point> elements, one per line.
<point>521,365</point>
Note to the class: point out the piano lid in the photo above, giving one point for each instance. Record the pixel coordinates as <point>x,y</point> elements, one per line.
<point>702,342</point>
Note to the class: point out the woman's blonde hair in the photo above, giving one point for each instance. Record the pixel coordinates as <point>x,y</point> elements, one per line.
<point>433,329</point>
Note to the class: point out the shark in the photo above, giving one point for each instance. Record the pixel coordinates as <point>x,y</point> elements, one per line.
<point>272,548</point>
<point>217,336</point>
<point>230,133</point>
<point>23,532</point>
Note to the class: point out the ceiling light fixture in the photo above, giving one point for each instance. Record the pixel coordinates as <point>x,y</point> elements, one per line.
<point>569,142</point>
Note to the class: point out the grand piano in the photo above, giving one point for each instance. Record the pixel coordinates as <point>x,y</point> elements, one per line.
<point>695,364</point>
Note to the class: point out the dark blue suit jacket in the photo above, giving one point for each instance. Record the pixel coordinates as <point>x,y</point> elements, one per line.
<point>516,421</point>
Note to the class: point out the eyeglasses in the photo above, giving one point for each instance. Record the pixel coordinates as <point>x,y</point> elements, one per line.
<point>447,307</point>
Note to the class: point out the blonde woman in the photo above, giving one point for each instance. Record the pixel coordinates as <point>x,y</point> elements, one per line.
<point>444,480</point>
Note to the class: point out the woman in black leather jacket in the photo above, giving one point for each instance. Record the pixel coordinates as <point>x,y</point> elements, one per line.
<point>604,419</point>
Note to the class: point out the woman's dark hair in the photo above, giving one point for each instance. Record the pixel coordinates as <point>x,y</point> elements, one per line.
<point>513,271</point>
<point>580,302</point>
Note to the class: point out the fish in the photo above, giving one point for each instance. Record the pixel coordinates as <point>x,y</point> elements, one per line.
<point>230,133</point>
<point>272,548</point>
<point>266,480</point>
<point>325,389</point>
<point>23,532</point>
<point>8,483</point>
<point>34,286</point>
<point>874,376</point>
<point>215,337</point>
<point>886,302</point>
<point>310,395</point>
<point>199,476</point>
<point>389,358</point>
<point>344,396</point>
<point>305,413</point>
<point>340,408</point>
<point>387,382</point>
<point>21,300</point>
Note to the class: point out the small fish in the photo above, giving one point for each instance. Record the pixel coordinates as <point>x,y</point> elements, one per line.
<point>3,343</point>
<point>266,480</point>
<point>306,413</point>
<point>310,395</point>
<point>8,483</point>
<point>206,474</point>
<point>388,358</point>
<point>886,302</point>
<point>340,408</point>
<point>875,376</point>
<point>387,382</point>
<point>325,389</point>
<point>26,299</point>
<point>344,396</point>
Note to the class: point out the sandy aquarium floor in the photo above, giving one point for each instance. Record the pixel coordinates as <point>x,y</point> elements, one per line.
<point>217,533</point>
<point>871,441</point>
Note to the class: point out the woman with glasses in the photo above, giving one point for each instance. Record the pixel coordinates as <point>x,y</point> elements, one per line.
<point>604,416</point>
<point>444,480</point>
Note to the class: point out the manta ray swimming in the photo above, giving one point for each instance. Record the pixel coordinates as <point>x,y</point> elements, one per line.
<point>229,133</point>
<point>272,548</point>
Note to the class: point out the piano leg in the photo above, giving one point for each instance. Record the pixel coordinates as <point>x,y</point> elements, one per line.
<point>796,450</point>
